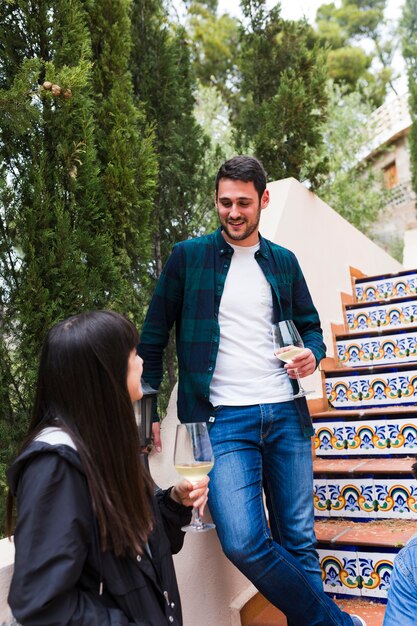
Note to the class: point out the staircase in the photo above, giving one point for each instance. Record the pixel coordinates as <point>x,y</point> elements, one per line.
<point>365,497</point>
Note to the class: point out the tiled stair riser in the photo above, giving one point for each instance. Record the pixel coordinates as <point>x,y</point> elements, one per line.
<point>386,287</point>
<point>365,498</point>
<point>356,573</point>
<point>351,569</point>
<point>375,389</point>
<point>378,350</point>
<point>382,316</point>
<point>372,437</point>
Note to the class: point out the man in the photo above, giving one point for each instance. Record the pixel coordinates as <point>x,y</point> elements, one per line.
<point>223,292</point>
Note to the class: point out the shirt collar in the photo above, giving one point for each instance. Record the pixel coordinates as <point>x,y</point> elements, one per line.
<point>226,250</point>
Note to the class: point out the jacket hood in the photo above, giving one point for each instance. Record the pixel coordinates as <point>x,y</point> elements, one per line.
<point>50,440</point>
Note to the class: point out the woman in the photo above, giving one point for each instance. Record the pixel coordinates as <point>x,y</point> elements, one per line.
<point>93,542</point>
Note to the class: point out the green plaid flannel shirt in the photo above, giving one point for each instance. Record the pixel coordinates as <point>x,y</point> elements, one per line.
<point>188,295</point>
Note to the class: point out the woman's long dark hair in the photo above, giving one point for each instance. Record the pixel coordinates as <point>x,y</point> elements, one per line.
<point>82,388</point>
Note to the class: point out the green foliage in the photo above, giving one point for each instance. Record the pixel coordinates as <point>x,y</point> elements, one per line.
<point>409,45</point>
<point>361,46</point>
<point>348,64</point>
<point>164,80</point>
<point>352,188</point>
<point>124,147</point>
<point>212,114</point>
<point>281,103</point>
<point>214,47</point>
<point>76,177</point>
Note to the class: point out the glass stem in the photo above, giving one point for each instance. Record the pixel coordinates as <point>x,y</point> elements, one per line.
<point>196,519</point>
<point>300,387</point>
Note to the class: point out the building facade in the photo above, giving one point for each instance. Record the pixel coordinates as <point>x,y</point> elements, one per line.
<point>389,154</point>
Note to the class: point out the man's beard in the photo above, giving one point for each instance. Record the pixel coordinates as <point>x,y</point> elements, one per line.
<point>247,232</point>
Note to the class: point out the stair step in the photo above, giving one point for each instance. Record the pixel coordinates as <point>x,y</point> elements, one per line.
<point>347,414</point>
<point>385,286</point>
<point>382,385</point>
<point>369,490</point>
<point>364,571</point>
<point>392,314</point>
<point>387,533</point>
<point>358,467</point>
<point>374,433</point>
<point>377,348</point>
<point>372,612</point>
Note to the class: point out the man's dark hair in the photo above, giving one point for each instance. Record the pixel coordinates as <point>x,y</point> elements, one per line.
<point>244,168</point>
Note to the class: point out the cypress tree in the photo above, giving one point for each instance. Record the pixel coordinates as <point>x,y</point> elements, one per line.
<point>124,145</point>
<point>58,253</point>
<point>164,82</point>
<point>281,103</point>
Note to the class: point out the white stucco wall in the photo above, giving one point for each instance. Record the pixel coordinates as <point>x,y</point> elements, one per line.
<point>410,249</point>
<point>325,245</point>
<point>208,582</point>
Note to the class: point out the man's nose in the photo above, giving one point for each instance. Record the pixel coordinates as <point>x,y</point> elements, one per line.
<point>234,211</point>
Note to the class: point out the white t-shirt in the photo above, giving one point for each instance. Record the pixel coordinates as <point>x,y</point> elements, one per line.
<point>247,371</point>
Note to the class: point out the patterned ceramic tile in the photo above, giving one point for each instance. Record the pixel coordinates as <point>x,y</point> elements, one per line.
<point>402,435</point>
<point>340,572</point>
<point>370,437</point>
<point>380,389</point>
<point>396,499</point>
<point>375,573</point>
<point>366,437</point>
<point>365,498</point>
<point>378,350</point>
<point>382,315</point>
<point>352,498</point>
<point>321,499</point>
<point>330,437</point>
<point>355,573</point>
<point>386,287</point>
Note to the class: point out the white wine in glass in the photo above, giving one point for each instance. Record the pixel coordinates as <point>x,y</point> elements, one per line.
<point>287,344</point>
<point>193,459</point>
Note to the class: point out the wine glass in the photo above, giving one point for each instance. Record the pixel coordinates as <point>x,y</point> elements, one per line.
<point>287,344</point>
<point>193,459</point>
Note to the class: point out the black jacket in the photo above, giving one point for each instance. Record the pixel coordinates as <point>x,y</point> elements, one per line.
<point>59,566</point>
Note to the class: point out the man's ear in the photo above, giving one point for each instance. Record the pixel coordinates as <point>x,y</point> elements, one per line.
<point>265,199</point>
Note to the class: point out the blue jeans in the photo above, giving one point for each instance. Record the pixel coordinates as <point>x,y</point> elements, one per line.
<point>262,445</point>
<point>402,594</point>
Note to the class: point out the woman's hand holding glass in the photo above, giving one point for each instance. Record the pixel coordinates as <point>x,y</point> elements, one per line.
<point>189,494</point>
<point>193,458</point>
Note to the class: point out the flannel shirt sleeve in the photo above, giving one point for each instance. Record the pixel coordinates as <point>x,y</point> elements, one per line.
<point>164,310</point>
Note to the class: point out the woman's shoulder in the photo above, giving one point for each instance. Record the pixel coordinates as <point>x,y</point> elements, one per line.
<point>50,455</point>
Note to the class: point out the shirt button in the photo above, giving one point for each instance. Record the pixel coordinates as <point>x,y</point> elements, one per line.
<point>171,619</point>
<point>138,558</point>
<point>210,369</point>
<point>172,605</point>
